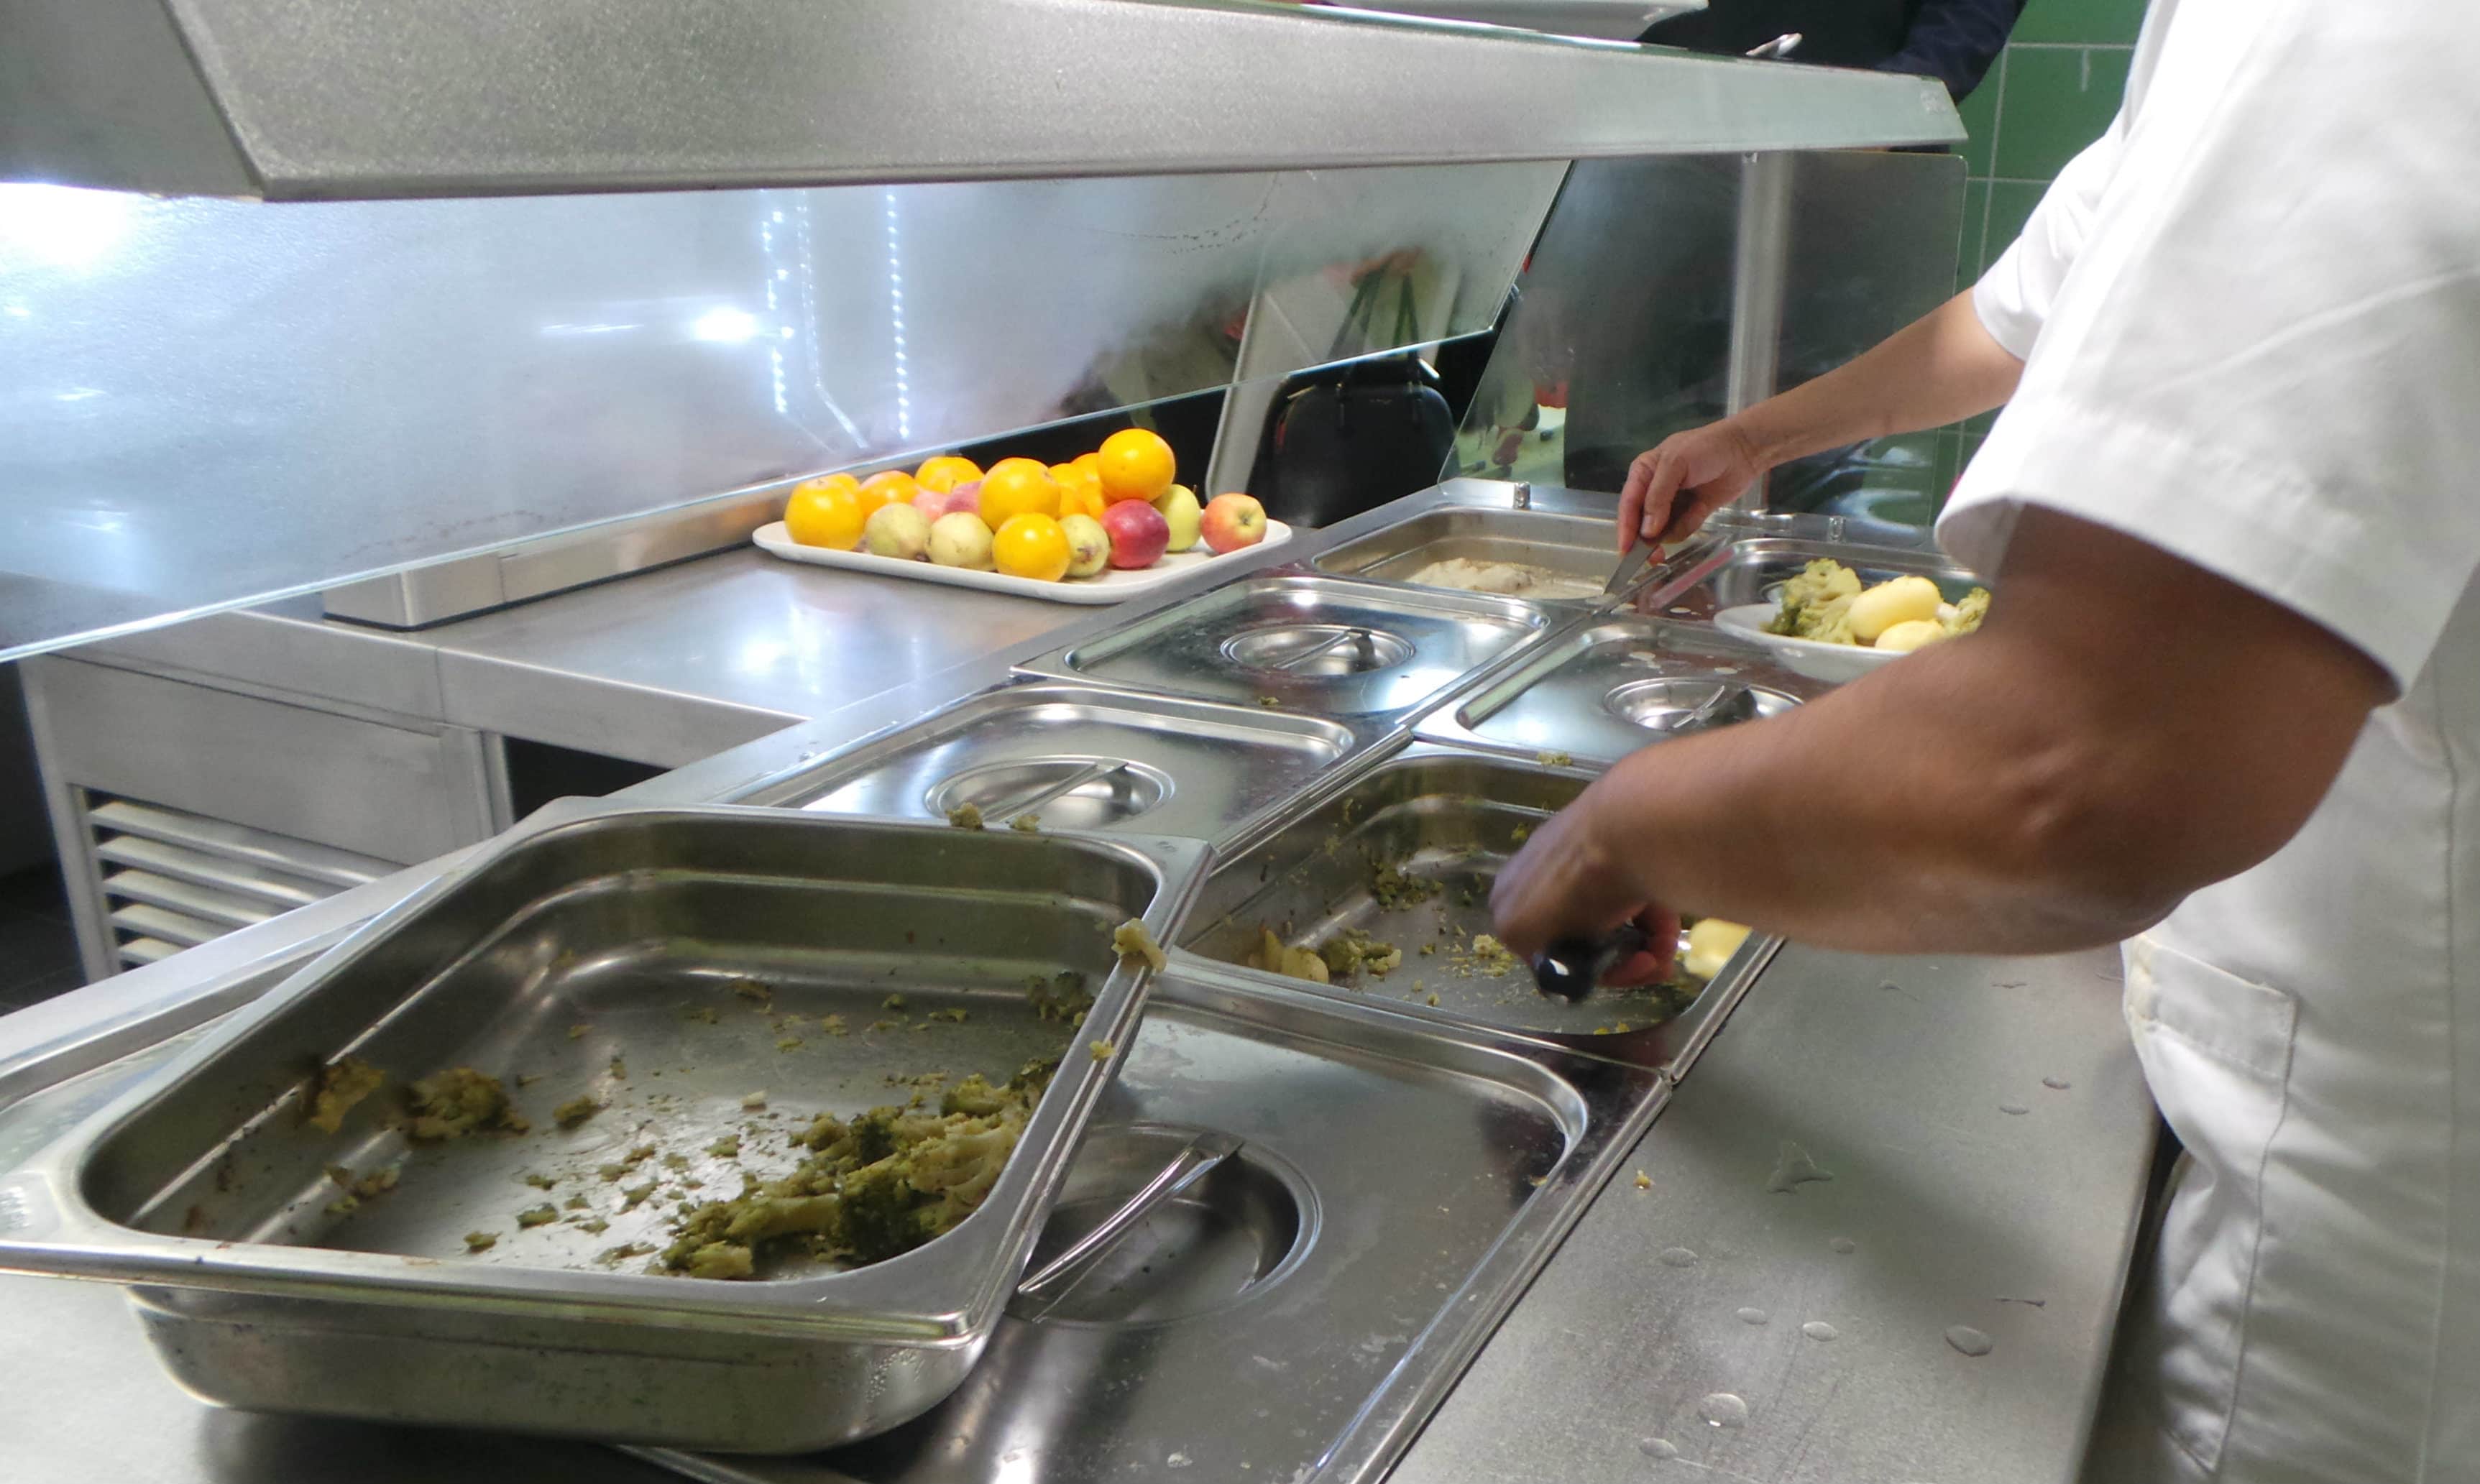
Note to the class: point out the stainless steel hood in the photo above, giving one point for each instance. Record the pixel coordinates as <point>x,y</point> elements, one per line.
<point>318,99</point>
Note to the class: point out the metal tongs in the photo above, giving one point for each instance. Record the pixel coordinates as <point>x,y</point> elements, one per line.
<point>1779,47</point>
<point>1632,565</point>
<point>1569,968</point>
<point>1059,1276</point>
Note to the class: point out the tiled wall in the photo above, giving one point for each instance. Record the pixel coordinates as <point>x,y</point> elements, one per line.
<point>2051,92</point>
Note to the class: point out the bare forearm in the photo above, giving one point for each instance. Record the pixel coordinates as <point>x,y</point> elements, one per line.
<point>1942,368</point>
<point>1870,820</point>
<point>2126,728</point>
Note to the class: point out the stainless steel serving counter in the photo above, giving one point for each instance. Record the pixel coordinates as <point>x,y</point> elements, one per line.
<point>666,667</point>
<point>1723,1308</point>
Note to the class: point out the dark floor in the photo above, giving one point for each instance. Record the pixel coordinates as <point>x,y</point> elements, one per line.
<point>38,955</point>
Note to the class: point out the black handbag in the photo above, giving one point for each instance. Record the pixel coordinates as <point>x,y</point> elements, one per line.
<point>1350,438</point>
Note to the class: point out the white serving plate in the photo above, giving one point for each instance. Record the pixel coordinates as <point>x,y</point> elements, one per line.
<point>1113,585</point>
<point>1812,657</point>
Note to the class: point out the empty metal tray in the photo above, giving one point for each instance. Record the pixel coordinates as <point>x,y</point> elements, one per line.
<point>1296,1318</point>
<point>1601,692</point>
<point>1305,644</point>
<point>667,964</point>
<point>1078,757</point>
<point>1439,822</point>
<point>1580,552</point>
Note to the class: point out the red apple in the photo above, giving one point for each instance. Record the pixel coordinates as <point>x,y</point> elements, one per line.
<point>967,498</point>
<point>1233,522</point>
<point>1138,534</point>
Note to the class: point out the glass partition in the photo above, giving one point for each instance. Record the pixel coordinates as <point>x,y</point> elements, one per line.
<point>1625,321</point>
<point>205,404</point>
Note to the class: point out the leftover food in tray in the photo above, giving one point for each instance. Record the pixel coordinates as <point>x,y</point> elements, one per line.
<point>845,1190</point>
<point>1511,579</point>
<point>1827,602</point>
<point>870,1187</point>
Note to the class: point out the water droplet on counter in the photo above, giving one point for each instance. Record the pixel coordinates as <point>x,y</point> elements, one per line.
<point>2016,1108</point>
<point>1819,1329</point>
<point>1844,1245</point>
<point>1794,1168</point>
<point>1754,1316</point>
<point>1970,1340</point>
<point>1658,1448</point>
<point>1678,1257</point>
<point>2057,1084</point>
<point>1723,1410</point>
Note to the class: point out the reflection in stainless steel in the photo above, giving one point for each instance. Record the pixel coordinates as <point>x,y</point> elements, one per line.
<point>1665,292</point>
<point>1601,692</point>
<point>207,403</point>
<point>1127,763</point>
<point>1307,644</point>
<point>305,99</point>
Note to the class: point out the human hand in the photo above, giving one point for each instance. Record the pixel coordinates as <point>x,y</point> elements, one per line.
<point>1673,486</point>
<point>1567,883</point>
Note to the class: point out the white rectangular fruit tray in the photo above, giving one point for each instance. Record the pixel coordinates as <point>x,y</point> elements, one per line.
<point>1112,585</point>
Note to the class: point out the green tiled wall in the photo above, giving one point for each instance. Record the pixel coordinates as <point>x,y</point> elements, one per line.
<point>2052,92</point>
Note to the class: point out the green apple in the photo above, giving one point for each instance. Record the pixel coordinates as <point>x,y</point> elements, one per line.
<point>1089,546</point>
<point>1182,512</point>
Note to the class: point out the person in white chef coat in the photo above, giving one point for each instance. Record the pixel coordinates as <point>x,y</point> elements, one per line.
<point>2226,708</point>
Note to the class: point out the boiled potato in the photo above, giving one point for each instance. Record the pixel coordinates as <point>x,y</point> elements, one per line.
<point>1902,600</point>
<point>1910,634</point>
<point>1710,943</point>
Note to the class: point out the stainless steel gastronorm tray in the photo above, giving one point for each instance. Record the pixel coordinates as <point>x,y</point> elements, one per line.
<point>1296,1318</point>
<point>1078,758</point>
<point>1600,692</point>
<point>1305,644</point>
<point>1449,818</point>
<point>652,960</point>
<point>1578,548</point>
<point>1708,578</point>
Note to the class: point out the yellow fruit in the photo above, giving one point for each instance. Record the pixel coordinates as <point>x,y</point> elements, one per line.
<point>891,487</point>
<point>1081,499</point>
<point>945,472</point>
<point>1135,464</point>
<point>1080,489</point>
<point>826,513</point>
<point>833,481</point>
<point>1030,545</point>
<point>1017,487</point>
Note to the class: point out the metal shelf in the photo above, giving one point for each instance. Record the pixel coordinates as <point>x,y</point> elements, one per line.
<point>309,99</point>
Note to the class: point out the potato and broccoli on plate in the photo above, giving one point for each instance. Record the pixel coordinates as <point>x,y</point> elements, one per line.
<point>1827,604</point>
<point>1828,624</point>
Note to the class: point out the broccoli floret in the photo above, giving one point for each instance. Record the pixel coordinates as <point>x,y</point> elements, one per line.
<point>880,1213</point>
<point>974,1097</point>
<point>871,1186</point>
<point>1817,603</point>
<point>962,1163</point>
<point>1969,613</point>
<point>459,1101</point>
<point>341,1084</point>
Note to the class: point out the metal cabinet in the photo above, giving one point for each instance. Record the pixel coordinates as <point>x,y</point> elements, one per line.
<point>184,810</point>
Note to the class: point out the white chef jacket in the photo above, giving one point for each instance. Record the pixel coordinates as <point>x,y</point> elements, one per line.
<point>2250,317</point>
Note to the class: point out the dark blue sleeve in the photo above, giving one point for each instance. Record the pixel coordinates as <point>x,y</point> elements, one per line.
<point>1955,40</point>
